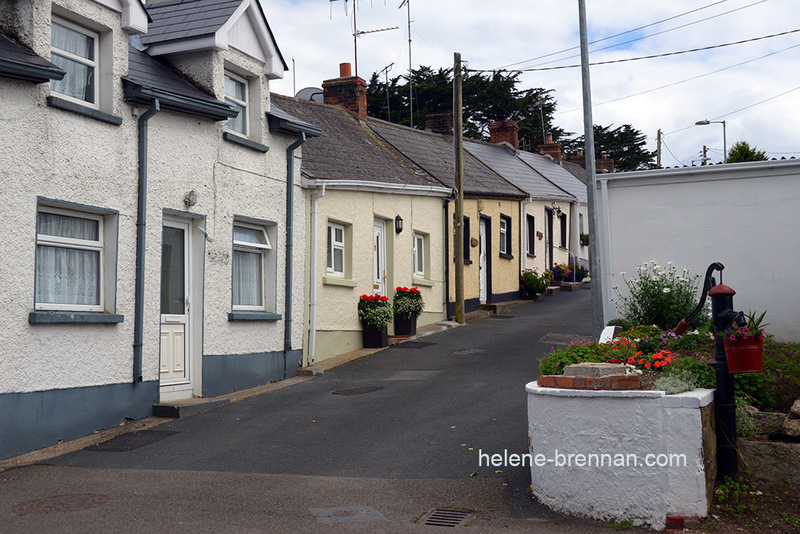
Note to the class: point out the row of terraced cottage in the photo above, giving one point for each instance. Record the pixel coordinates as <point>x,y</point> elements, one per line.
<point>174,230</point>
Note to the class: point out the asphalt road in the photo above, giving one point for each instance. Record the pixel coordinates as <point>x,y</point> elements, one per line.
<point>368,447</point>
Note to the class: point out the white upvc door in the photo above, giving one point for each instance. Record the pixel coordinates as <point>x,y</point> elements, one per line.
<point>175,283</point>
<point>379,257</point>
<point>482,261</point>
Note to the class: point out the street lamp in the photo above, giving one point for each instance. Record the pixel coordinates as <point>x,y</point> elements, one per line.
<point>724,136</point>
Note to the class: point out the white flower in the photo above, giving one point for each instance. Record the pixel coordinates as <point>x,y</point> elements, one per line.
<point>669,263</point>
<point>622,273</point>
<point>667,290</point>
<point>655,279</point>
<point>653,262</point>
<point>658,267</point>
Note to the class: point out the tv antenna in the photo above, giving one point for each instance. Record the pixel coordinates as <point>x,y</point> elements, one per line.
<point>386,70</point>
<point>358,33</point>
<point>407,4</point>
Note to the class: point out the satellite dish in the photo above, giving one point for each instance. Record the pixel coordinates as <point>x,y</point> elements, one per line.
<point>312,94</point>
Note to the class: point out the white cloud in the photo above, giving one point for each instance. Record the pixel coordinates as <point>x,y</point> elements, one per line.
<point>318,35</point>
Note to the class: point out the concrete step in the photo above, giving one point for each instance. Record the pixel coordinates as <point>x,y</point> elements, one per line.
<point>186,408</point>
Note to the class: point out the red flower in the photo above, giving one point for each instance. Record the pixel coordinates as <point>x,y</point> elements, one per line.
<point>647,365</point>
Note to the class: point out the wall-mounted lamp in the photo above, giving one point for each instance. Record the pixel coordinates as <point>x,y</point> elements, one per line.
<point>398,224</point>
<point>190,199</point>
<point>557,211</point>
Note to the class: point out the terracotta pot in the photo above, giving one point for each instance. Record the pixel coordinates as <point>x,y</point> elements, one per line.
<point>374,338</point>
<point>744,355</point>
<point>405,327</point>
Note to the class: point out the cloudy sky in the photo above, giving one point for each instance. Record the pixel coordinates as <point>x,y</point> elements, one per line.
<point>754,86</point>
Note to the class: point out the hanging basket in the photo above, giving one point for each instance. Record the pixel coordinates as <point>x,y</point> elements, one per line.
<point>744,355</point>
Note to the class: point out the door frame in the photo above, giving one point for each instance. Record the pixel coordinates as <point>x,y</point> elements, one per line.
<point>379,255</point>
<point>548,238</point>
<point>195,245</point>
<point>485,261</point>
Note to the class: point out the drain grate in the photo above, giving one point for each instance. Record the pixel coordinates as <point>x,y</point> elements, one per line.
<point>60,504</point>
<point>447,517</point>
<point>413,345</point>
<point>356,391</point>
<point>131,440</point>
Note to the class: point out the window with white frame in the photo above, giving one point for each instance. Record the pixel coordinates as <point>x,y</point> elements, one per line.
<point>419,255</point>
<point>251,252</point>
<point>69,260</point>
<point>75,50</point>
<point>505,235</point>
<point>336,249</point>
<point>236,94</point>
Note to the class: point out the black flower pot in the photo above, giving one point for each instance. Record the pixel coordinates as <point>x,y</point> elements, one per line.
<point>404,326</point>
<point>374,338</point>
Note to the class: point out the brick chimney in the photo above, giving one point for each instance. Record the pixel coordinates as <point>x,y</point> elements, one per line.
<point>440,123</point>
<point>507,131</point>
<point>347,91</point>
<point>604,164</point>
<point>549,148</point>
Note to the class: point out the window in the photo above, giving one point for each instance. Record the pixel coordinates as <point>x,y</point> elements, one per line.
<point>251,250</point>
<point>564,230</point>
<point>466,241</point>
<point>531,230</point>
<point>419,255</point>
<point>505,236</point>
<point>75,50</point>
<point>236,95</point>
<point>69,260</point>
<point>336,249</point>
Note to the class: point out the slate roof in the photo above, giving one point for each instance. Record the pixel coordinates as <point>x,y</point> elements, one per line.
<point>148,71</point>
<point>14,59</point>
<point>503,160</point>
<point>181,19</point>
<point>575,170</point>
<point>434,153</point>
<point>557,174</point>
<point>347,149</point>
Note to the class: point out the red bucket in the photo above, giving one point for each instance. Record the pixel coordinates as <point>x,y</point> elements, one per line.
<point>744,355</point>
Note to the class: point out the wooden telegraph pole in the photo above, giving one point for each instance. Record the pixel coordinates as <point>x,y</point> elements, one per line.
<point>458,222</point>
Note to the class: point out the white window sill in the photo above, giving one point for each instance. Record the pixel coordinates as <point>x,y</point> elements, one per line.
<point>338,281</point>
<point>424,282</point>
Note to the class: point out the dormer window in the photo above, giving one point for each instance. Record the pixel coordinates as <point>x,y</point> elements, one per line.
<point>236,94</point>
<point>74,49</point>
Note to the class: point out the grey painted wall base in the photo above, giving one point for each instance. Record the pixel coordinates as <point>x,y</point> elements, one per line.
<point>30,421</point>
<point>227,373</point>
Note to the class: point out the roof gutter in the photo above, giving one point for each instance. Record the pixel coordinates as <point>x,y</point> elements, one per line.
<point>143,94</point>
<point>29,72</point>
<point>379,187</point>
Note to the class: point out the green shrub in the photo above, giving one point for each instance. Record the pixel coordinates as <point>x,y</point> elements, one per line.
<point>531,282</point>
<point>745,425</point>
<point>577,352</point>
<point>647,338</point>
<point>657,296</point>
<point>674,383</point>
<point>694,368</point>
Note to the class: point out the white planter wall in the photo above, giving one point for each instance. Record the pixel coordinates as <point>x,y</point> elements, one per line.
<point>640,423</point>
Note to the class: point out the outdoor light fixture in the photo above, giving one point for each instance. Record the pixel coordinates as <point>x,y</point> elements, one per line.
<point>706,122</point>
<point>398,224</point>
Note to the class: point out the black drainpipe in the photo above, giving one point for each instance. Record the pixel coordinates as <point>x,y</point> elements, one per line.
<point>141,224</point>
<point>287,328</point>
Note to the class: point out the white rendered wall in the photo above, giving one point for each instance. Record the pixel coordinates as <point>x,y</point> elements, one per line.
<point>641,423</point>
<point>743,215</point>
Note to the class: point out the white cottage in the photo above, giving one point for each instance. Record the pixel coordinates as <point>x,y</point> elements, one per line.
<point>149,226</point>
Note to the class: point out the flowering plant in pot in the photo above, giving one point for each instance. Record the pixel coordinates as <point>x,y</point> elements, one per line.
<point>576,272</point>
<point>408,305</point>
<point>532,283</point>
<point>375,312</point>
<point>744,344</point>
<point>584,240</point>
<point>559,272</point>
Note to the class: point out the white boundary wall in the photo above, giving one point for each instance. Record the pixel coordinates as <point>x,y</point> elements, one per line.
<point>743,215</point>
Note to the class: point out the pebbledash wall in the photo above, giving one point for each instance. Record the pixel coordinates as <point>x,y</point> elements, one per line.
<point>338,328</point>
<point>743,215</point>
<point>62,380</point>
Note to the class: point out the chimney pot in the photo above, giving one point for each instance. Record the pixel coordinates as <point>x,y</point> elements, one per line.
<point>548,139</point>
<point>345,70</point>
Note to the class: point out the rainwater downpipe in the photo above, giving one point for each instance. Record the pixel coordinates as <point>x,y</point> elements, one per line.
<point>312,295</point>
<point>287,322</point>
<point>141,226</point>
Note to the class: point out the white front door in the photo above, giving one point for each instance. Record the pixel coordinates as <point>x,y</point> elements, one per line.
<point>482,261</point>
<point>379,258</point>
<point>175,357</point>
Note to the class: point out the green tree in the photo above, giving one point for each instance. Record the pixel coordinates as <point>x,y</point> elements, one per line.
<point>487,98</point>
<point>625,145</point>
<point>741,151</point>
